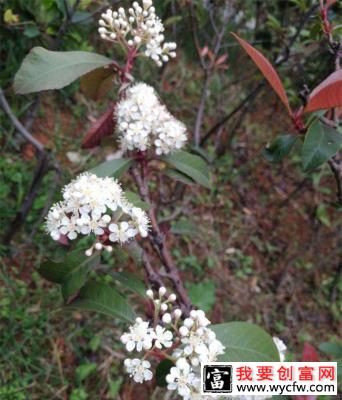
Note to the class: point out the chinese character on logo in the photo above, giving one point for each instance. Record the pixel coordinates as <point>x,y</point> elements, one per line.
<point>305,373</point>
<point>326,373</point>
<point>244,373</point>
<point>285,374</point>
<point>217,379</point>
<point>265,373</point>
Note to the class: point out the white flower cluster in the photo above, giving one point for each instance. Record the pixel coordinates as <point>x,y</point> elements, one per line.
<point>140,28</point>
<point>187,342</point>
<point>98,206</point>
<point>142,119</point>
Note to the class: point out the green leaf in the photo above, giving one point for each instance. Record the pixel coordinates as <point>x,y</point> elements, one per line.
<point>57,270</point>
<point>44,70</point>
<point>135,251</point>
<point>178,176</point>
<point>71,272</point>
<point>75,280</point>
<point>189,164</point>
<point>162,370</point>
<point>202,294</point>
<point>279,148</point>
<point>115,168</point>
<point>83,371</point>
<point>245,342</point>
<point>81,17</point>
<point>97,83</point>
<point>323,215</point>
<point>95,342</point>
<point>31,31</point>
<point>201,152</point>
<point>135,199</point>
<point>333,349</point>
<point>131,282</point>
<point>185,227</point>
<point>321,143</point>
<point>114,388</point>
<point>103,298</point>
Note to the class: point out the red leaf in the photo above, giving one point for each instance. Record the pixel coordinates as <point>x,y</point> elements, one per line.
<point>326,95</point>
<point>267,70</point>
<point>221,59</point>
<point>204,51</point>
<point>309,353</point>
<point>104,126</point>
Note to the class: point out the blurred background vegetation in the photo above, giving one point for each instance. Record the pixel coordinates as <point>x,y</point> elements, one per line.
<point>264,246</point>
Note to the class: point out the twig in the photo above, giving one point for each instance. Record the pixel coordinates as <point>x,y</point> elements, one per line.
<point>336,48</point>
<point>18,125</point>
<point>225,119</point>
<point>335,165</point>
<point>157,239</point>
<point>41,171</point>
<point>208,70</point>
<point>54,185</point>
<point>283,57</point>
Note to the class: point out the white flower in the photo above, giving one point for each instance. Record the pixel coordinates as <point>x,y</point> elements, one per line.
<point>69,227</point>
<point>194,344</point>
<point>53,220</point>
<point>139,27</point>
<point>139,369</point>
<point>139,336</point>
<point>88,207</point>
<point>121,233</point>
<point>215,348</point>
<point>143,121</point>
<point>162,337</point>
<point>140,221</point>
<point>171,136</point>
<point>181,379</point>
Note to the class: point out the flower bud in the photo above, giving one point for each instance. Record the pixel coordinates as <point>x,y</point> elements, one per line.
<point>163,307</point>
<point>149,293</point>
<point>89,252</point>
<point>172,297</point>
<point>98,246</point>
<point>162,291</point>
<point>177,313</point>
<point>188,322</point>
<point>167,318</point>
<point>183,330</point>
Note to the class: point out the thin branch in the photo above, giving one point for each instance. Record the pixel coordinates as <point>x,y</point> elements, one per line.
<point>52,190</point>
<point>225,119</point>
<point>18,125</point>
<point>282,57</point>
<point>157,239</point>
<point>41,171</point>
<point>208,71</point>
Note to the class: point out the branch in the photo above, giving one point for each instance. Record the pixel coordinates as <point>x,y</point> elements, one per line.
<point>18,125</point>
<point>158,242</point>
<point>208,71</point>
<point>335,165</point>
<point>225,119</point>
<point>336,47</point>
<point>283,56</point>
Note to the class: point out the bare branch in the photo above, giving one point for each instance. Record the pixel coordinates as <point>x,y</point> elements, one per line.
<point>18,125</point>
<point>158,242</point>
